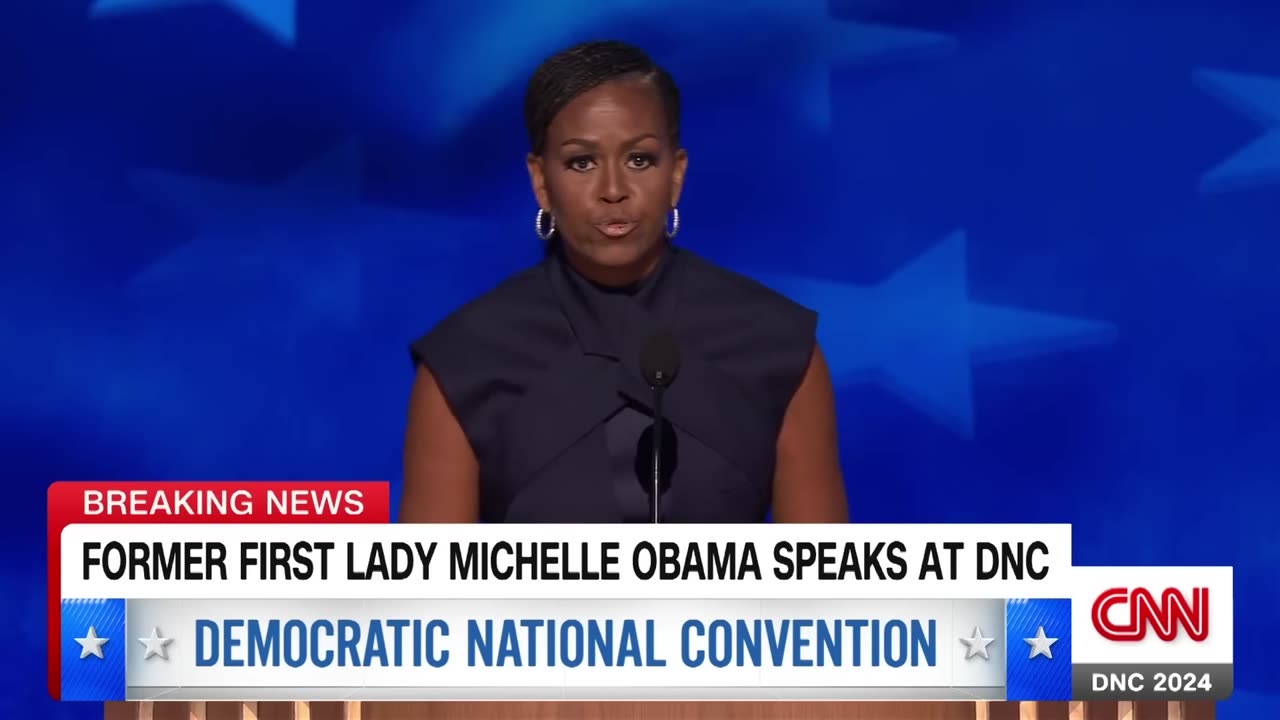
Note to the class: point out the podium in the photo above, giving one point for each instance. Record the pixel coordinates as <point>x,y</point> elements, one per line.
<point>682,710</point>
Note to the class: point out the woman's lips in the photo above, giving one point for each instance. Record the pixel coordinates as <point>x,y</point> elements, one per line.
<point>616,228</point>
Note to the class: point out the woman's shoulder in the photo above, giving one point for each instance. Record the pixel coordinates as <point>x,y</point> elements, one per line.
<point>519,291</point>
<point>726,292</point>
<point>760,336</point>
<point>496,317</point>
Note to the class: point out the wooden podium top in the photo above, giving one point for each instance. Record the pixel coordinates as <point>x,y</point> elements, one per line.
<point>687,710</point>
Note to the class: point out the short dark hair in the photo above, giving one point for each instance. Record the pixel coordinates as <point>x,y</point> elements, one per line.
<point>569,73</point>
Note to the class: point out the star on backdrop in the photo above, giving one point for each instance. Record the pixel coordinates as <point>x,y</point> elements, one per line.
<point>307,244</point>
<point>285,238</point>
<point>919,332</point>
<point>1040,645</point>
<point>278,18</point>
<point>283,286</point>
<point>1259,98</point>
<point>497,45</point>
<point>977,645</point>
<point>804,45</point>
<point>91,644</point>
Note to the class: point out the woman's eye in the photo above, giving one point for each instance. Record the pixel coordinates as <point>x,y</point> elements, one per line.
<point>640,161</point>
<point>580,163</point>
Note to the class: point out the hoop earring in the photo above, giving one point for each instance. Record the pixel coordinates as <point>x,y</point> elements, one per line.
<point>537,225</point>
<point>675,223</point>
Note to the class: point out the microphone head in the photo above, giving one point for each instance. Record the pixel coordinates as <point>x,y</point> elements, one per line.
<point>660,360</point>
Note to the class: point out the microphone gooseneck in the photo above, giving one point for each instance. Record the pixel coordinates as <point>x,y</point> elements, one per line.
<point>659,364</point>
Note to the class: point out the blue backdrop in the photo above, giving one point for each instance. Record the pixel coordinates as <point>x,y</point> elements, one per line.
<point>1041,234</point>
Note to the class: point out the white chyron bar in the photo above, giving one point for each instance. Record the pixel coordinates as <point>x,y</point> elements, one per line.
<point>375,611</point>
<point>572,561</point>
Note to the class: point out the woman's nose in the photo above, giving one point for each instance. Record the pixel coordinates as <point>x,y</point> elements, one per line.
<point>613,184</point>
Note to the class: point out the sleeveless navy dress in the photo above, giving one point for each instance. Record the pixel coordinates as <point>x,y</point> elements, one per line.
<point>543,375</point>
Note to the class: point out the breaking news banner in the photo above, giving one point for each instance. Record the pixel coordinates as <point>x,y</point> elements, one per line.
<point>272,591</point>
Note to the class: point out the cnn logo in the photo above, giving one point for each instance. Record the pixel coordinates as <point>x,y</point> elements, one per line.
<point>1162,616</point>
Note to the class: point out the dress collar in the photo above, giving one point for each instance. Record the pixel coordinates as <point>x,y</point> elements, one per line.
<point>610,321</point>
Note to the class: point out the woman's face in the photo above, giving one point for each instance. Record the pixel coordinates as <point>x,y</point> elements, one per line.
<point>609,175</point>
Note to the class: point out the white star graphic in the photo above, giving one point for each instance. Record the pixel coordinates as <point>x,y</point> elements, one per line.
<point>1040,644</point>
<point>155,644</point>
<point>977,644</point>
<point>91,644</point>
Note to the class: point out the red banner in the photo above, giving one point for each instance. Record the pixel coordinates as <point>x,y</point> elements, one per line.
<point>260,502</point>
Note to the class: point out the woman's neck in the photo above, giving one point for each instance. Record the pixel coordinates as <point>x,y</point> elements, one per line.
<point>621,278</point>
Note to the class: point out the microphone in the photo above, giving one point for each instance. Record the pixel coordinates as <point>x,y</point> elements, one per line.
<point>659,363</point>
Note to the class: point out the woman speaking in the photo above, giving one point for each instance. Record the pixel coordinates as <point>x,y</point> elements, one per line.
<point>534,402</point>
